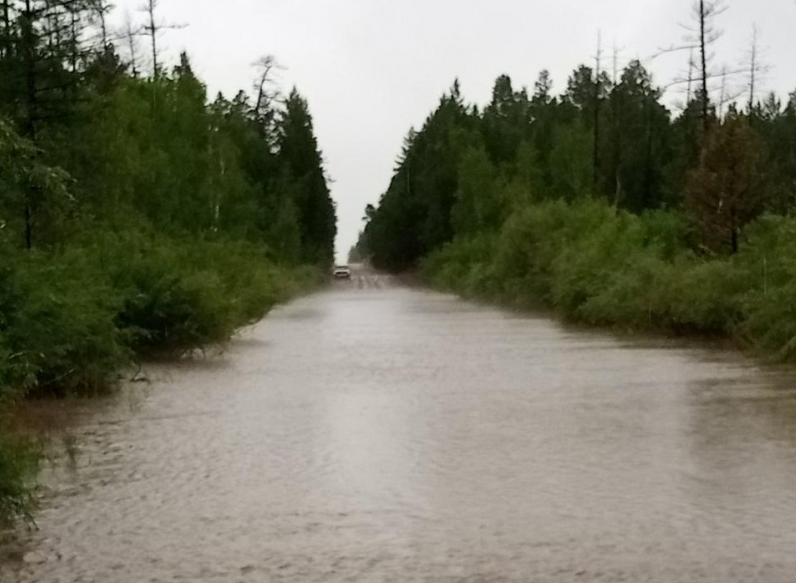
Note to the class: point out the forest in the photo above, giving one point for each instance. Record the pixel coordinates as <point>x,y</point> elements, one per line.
<point>138,217</point>
<point>608,202</point>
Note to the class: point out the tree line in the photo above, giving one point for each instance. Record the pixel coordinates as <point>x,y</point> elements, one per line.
<point>137,216</point>
<point>606,202</point>
<point>467,169</point>
<point>110,142</point>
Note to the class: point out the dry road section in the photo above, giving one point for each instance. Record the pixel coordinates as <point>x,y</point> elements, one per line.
<point>376,433</point>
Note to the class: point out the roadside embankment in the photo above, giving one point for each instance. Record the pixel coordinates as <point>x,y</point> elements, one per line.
<point>601,267</point>
<point>73,322</point>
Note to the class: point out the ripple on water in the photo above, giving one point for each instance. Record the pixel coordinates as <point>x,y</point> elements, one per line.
<point>384,434</point>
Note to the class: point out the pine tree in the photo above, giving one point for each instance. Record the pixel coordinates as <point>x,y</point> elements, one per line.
<point>303,164</point>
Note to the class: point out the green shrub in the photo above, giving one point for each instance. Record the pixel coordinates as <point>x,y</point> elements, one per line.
<point>251,285</point>
<point>705,296</point>
<point>587,264</point>
<point>769,262</point>
<point>464,265</point>
<point>18,465</point>
<point>57,324</point>
<point>166,310</point>
<point>600,266</point>
<point>771,321</point>
<point>631,297</point>
<point>177,294</point>
<point>71,321</point>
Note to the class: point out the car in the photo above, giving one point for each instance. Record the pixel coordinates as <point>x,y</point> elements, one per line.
<point>342,272</point>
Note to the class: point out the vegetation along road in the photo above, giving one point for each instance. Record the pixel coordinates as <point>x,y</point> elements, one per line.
<point>186,396</point>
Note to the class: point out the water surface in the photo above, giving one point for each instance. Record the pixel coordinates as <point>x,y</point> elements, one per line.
<point>383,434</point>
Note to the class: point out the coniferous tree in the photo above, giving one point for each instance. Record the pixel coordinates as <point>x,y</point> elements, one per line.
<point>638,141</point>
<point>303,167</point>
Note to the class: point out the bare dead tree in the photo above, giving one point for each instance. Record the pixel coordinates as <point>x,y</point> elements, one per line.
<point>615,58</point>
<point>753,50</point>
<point>755,67</point>
<point>267,95</point>
<point>264,82</point>
<point>152,28</point>
<point>74,24</point>
<point>6,38</point>
<point>728,94</point>
<point>101,9</point>
<point>615,108</point>
<point>598,60</point>
<point>690,79</point>
<point>701,35</point>
<point>705,14</point>
<point>723,94</point>
<point>730,91</point>
<point>130,33</point>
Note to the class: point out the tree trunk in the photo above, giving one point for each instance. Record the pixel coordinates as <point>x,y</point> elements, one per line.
<point>103,23</point>
<point>617,110</point>
<point>648,157</point>
<point>5,47</point>
<point>130,33</point>
<point>74,41</point>
<point>28,224</point>
<point>153,31</point>
<point>29,42</point>
<point>596,160</point>
<point>703,49</point>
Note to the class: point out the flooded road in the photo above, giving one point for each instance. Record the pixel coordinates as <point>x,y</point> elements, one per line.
<point>375,433</point>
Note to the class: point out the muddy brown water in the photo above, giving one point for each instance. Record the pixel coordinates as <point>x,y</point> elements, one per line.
<point>377,433</point>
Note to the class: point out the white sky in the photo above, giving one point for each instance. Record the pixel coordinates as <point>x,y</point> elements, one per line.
<point>370,69</point>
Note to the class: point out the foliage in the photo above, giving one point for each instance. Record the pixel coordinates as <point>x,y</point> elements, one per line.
<point>179,294</point>
<point>136,217</point>
<point>57,323</point>
<point>18,464</point>
<point>727,190</point>
<point>467,172</point>
<point>636,272</point>
<point>604,206</point>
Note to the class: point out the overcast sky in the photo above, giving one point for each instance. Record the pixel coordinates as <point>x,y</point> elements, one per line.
<point>371,69</point>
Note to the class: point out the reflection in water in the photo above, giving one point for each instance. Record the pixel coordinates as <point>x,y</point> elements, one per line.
<point>375,433</point>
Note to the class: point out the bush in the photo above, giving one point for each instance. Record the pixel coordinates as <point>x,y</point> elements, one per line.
<point>599,266</point>
<point>769,263</point>
<point>57,326</point>
<point>705,296</point>
<point>18,465</point>
<point>631,297</point>
<point>177,294</point>
<point>71,321</point>
<point>464,265</point>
